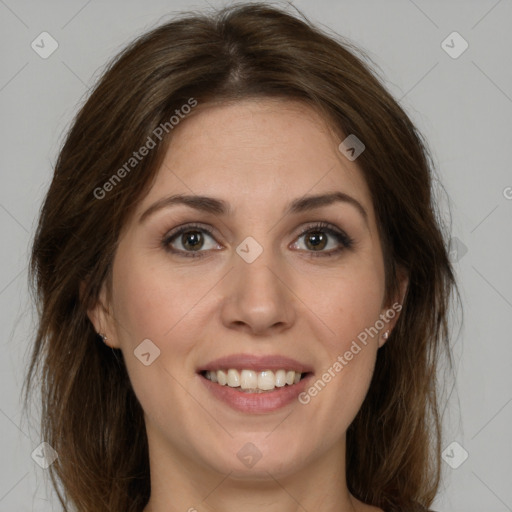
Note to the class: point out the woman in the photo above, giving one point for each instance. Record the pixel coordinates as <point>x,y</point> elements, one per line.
<point>243,215</point>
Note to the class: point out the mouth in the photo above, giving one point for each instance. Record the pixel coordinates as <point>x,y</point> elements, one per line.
<point>255,384</point>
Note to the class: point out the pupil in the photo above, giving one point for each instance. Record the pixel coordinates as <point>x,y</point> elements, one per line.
<point>318,239</point>
<point>195,236</point>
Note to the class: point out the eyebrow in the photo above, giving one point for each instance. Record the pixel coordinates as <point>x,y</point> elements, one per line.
<point>221,207</point>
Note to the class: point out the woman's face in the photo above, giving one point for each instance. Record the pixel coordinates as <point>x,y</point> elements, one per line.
<point>243,288</point>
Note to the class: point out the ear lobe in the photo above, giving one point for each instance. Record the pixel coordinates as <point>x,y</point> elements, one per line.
<point>403,279</point>
<point>383,337</point>
<point>98,314</point>
<point>392,313</point>
<point>98,317</point>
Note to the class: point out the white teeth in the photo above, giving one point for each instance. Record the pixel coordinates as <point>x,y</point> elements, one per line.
<point>280,378</point>
<point>267,381</point>
<point>233,378</point>
<point>249,380</point>
<point>222,378</point>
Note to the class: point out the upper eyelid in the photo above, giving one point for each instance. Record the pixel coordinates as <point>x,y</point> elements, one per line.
<point>209,228</point>
<point>189,226</point>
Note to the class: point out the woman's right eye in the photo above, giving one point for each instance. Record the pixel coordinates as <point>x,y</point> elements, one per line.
<point>191,238</point>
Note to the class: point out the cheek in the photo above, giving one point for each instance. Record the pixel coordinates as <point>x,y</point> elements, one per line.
<point>351,306</point>
<point>151,300</point>
<point>149,305</point>
<point>154,302</point>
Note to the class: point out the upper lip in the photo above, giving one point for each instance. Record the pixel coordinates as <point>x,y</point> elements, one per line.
<point>256,363</point>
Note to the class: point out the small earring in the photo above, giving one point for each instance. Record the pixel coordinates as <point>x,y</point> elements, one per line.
<point>386,335</point>
<point>103,337</point>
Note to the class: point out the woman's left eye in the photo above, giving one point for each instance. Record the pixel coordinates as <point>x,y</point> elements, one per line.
<point>317,238</point>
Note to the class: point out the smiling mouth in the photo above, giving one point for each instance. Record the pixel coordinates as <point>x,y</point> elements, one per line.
<point>250,381</point>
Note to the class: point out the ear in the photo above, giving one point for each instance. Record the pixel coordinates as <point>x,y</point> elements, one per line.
<point>391,312</point>
<point>100,316</point>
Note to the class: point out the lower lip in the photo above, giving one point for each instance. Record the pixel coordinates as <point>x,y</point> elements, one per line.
<point>256,403</point>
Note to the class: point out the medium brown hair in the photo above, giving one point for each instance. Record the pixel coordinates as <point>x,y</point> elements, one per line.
<point>90,414</point>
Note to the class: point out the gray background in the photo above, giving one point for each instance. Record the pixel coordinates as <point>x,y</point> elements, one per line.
<point>462,105</point>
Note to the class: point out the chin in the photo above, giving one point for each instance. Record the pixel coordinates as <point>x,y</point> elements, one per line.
<point>248,459</point>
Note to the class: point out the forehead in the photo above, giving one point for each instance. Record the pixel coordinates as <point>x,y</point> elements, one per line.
<point>261,152</point>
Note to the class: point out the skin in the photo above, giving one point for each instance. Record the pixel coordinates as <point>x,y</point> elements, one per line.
<point>258,155</point>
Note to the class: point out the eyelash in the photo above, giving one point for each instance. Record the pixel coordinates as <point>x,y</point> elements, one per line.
<point>325,227</point>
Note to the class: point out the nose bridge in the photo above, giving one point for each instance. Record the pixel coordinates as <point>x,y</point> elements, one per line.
<point>258,296</point>
<point>260,276</point>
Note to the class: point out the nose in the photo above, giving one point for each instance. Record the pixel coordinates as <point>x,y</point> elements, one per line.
<point>258,298</point>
